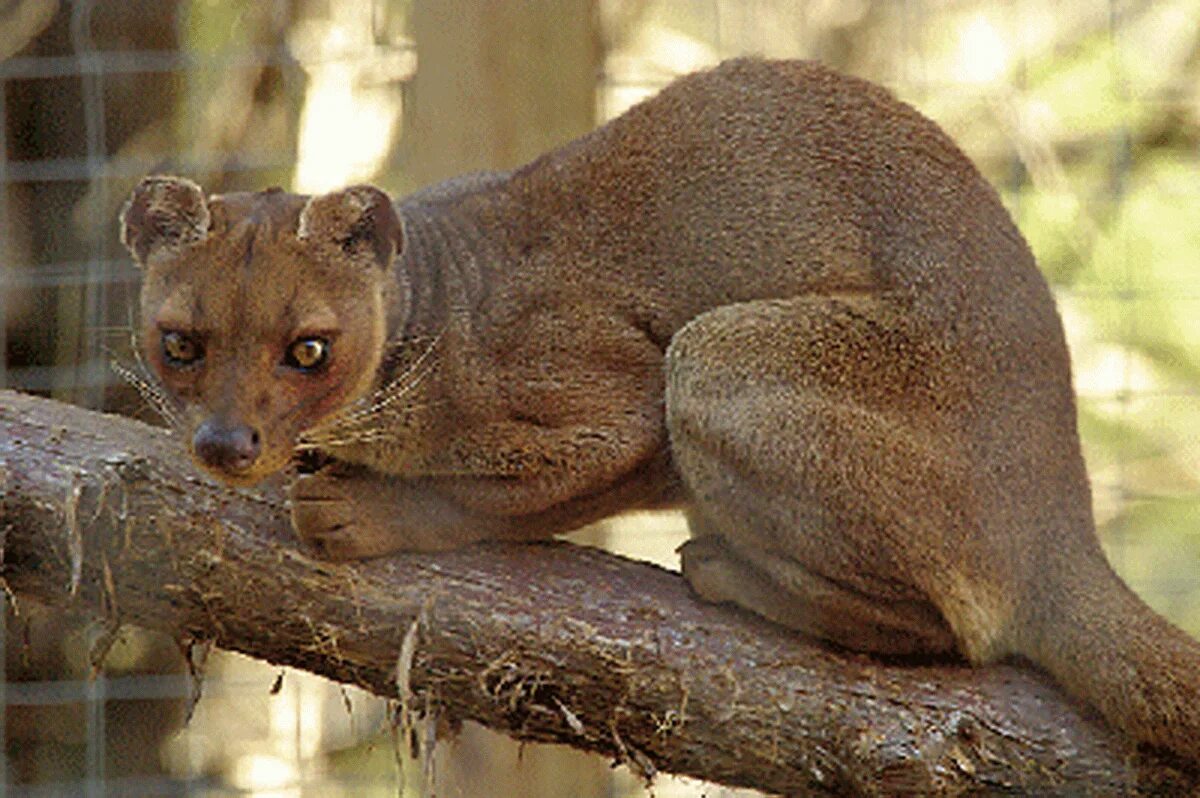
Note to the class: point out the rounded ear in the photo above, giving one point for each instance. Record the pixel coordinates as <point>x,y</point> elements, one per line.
<point>163,211</point>
<point>359,220</point>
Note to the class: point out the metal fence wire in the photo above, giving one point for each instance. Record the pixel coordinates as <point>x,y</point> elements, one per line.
<point>1085,115</point>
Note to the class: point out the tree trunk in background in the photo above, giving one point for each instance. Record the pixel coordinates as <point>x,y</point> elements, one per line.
<point>499,83</point>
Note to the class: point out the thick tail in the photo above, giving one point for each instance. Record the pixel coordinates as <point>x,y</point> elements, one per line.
<point>1102,643</point>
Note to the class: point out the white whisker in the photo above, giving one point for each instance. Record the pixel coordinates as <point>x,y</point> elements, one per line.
<point>149,390</point>
<point>144,381</point>
<point>367,415</point>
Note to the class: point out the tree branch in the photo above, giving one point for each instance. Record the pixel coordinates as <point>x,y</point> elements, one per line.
<point>551,642</point>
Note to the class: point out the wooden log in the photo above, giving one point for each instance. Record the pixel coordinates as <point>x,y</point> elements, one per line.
<point>549,642</point>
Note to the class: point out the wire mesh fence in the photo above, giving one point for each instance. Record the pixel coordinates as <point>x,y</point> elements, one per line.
<point>1085,115</point>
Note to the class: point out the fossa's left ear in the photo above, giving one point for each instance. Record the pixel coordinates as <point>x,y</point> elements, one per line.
<point>360,221</point>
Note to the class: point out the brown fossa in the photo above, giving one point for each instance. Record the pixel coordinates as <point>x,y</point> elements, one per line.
<point>772,295</point>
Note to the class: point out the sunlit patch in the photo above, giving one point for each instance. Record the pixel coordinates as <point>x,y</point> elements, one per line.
<point>352,108</point>
<point>982,55</point>
<point>264,774</point>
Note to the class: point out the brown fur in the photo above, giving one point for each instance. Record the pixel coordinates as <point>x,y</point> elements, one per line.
<point>771,294</point>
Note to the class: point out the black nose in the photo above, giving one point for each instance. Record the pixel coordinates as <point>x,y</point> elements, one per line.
<point>227,447</point>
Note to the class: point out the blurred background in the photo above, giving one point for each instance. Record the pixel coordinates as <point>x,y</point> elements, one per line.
<point>1084,113</point>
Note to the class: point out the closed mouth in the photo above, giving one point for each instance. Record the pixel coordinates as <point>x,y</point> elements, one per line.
<point>232,476</point>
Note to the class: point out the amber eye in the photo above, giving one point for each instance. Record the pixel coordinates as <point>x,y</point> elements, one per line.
<point>180,350</point>
<point>307,354</point>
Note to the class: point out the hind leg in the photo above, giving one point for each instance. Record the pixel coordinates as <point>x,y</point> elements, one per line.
<point>826,489</point>
<point>786,592</point>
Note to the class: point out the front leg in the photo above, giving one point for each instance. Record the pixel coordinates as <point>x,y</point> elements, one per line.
<point>347,513</point>
<point>350,512</point>
<point>580,410</point>
<point>577,434</point>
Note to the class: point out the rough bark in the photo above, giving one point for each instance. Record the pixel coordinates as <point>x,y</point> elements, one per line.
<point>544,642</point>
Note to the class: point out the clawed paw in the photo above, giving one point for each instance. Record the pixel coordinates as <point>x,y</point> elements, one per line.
<point>334,522</point>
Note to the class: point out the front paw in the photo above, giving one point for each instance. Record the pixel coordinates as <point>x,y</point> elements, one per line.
<point>331,518</point>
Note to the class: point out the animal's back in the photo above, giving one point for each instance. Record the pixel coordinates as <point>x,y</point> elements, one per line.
<point>760,179</point>
<point>774,179</point>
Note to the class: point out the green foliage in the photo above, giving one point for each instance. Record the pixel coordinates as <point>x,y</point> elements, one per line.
<point>1110,212</point>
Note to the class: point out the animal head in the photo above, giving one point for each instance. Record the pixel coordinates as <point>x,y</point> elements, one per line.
<point>262,313</point>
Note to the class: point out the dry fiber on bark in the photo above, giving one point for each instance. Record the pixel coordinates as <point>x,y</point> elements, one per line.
<point>545,642</point>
